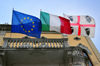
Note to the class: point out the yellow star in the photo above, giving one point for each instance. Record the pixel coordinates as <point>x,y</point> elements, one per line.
<point>32,29</point>
<point>33,26</point>
<point>33,22</point>
<point>25,31</point>
<point>28,31</point>
<point>21,20</point>
<point>31,19</point>
<point>21,26</point>
<point>24,18</point>
<point>27,17</point>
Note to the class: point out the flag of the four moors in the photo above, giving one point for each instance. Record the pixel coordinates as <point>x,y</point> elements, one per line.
<point>26,24</point>
<point>82,25</point>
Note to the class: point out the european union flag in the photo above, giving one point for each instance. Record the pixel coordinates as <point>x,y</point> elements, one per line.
<point>26,24</point>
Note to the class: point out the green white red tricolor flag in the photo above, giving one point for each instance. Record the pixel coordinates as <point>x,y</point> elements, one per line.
<point>55,23</point>
<point>82,25</point>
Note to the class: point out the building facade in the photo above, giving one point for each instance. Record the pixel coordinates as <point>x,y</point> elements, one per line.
<point>52,49</point>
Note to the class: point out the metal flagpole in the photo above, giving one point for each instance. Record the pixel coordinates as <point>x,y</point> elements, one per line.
<point>11,22</point>
<point>40,13</point>
<point>40,9</point>
<point>63,14</point>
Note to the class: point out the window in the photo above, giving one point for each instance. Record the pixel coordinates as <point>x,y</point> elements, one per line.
<point>85,54</point>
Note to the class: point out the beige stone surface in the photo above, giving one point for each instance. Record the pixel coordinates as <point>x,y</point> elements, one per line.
<point>1,39</point>
<point>94,59</point>
<point>17,35</point>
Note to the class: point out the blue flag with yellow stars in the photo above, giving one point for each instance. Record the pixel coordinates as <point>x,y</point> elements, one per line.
<point>26,24</point>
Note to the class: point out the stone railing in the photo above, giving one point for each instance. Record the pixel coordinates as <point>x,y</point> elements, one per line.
<point>34,43</point>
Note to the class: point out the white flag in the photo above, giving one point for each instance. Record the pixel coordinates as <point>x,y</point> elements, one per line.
<point>82,25</point>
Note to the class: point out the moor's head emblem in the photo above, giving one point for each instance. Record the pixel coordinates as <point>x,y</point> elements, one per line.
<point>88,19</point>
<point>87,31</point>
<point>72,29</point>
<point>71,18</point>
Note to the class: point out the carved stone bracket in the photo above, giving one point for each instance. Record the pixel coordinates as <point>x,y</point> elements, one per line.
<point>84,48</point>
<point>74,56</point>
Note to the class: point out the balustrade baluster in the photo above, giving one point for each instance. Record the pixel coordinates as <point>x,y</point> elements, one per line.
<point>13,44</point>
<point>47,44</point>
<point>35,43</point>
<point>16,44</point>
<point>9,43</point>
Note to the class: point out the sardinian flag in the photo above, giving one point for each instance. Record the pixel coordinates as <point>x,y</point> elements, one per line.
<point>82,25</point>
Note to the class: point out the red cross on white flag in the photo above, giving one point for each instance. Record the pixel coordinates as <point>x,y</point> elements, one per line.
<point>82,25</point>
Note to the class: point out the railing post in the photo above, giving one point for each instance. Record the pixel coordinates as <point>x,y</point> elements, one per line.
<point>5,43</point>
<point>66,43</point>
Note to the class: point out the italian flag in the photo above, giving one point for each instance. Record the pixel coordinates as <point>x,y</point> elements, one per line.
<point>55,23</point>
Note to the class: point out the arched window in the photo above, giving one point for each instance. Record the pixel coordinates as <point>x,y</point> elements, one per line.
<point>85,54</point>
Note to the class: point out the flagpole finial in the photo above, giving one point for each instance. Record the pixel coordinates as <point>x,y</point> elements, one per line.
<point>13,8</point>
<point>63,14</point>
<point>40,9</point>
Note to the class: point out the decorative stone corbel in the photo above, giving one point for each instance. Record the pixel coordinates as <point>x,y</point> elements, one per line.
<point>84,48</point>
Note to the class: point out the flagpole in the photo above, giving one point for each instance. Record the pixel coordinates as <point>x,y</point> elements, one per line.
<point>41,28</point>
<point>40,11</point>
<point>63,14</point>
<point>11,23</point>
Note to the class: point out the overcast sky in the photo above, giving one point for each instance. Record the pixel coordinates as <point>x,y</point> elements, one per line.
<point>56,7</point>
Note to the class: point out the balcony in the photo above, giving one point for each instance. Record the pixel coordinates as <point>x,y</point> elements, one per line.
<point>16,51</point>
